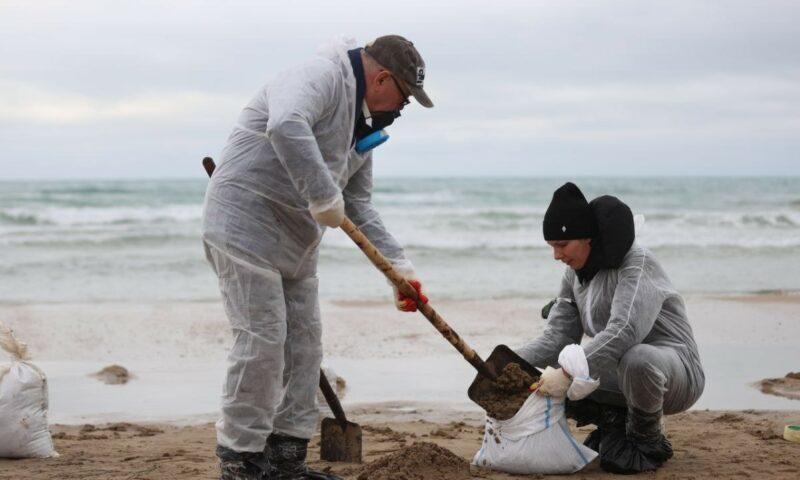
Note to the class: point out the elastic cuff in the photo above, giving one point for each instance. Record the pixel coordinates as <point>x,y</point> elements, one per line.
<point>582,388</point>
<point>323,205</point>
<point>404,267</point>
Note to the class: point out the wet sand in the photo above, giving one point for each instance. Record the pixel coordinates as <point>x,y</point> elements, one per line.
<point>708,444</point>
<point>175,355</point>
<point>787,386</point>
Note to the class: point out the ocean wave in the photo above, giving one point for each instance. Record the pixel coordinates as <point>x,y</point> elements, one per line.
<point>158,239</point>
<point>742,245</point>
<point>465,245</point>
<point>120,234</point>
<point>17,218</point>
<point>469,217</point>
<point>732,219</point>
<point>78,216</point>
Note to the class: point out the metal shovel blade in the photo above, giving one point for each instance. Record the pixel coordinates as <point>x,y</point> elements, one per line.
<point>340,445</point>
<point>500,357</point>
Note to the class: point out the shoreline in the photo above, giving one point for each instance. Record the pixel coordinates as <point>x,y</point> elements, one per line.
<point>768,296</point>
<point>176,352</point>
<point>199,330</point>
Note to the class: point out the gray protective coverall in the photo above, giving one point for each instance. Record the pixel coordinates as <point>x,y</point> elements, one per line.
<point>642,349</point>
<point>289,154</point>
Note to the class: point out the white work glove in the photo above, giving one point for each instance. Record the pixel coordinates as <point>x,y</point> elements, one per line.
<point>401,302</point>
<point>554,382</point>
<point>573,359</point>
<point>330,214</point>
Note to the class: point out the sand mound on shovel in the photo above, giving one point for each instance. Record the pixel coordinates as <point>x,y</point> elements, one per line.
<point>509,392</point>
<point>420,461</point>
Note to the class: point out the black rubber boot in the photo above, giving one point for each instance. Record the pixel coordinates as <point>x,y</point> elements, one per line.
<point>242,465</point>
<point>607,418</point>
<point>642,447</point>
<point>645,429</point>
<point>287,455</point>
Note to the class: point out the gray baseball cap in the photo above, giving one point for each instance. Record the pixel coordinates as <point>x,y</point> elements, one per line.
<point>400,57</point>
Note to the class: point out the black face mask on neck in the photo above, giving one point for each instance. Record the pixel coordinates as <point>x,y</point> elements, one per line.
<point>380,120</point>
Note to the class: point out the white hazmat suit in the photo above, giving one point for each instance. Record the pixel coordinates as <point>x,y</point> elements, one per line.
<point>289,156</point>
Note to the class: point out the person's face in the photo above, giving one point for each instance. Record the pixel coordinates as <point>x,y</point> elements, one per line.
<point>572,252</point>
<point>385,93</point>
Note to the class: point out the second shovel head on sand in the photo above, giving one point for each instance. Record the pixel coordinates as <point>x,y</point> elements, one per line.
<point>339,444</point>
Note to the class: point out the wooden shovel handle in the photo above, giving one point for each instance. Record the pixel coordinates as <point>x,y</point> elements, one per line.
<point>332,399</point>
<point>377,259</point>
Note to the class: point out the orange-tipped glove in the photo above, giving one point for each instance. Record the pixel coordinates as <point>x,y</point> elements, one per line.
<point>406,304</point>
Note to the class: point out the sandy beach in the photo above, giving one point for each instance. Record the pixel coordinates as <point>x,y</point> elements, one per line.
<point>708,444</point>
<point>404,384</point>
<point>668,126</point>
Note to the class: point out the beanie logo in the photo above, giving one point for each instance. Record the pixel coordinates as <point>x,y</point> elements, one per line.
<point>563,228</point>
<point>420,76</point>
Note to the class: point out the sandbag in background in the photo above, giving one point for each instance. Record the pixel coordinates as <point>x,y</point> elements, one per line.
<point>23,404</point>
<point>535,440</point>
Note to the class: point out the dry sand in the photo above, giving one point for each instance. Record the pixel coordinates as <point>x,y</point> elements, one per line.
<point>708,444</point>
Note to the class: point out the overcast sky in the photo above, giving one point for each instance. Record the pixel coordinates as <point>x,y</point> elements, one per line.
<point>130,89</point>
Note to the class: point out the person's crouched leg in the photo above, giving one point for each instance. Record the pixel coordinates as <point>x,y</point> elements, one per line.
<point>641,447</point>
<point>235,465</point>
<point>607,418</point>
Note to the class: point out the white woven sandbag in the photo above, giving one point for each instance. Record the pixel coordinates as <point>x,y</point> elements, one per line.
<point>23,404</point>
<point>535,440</point>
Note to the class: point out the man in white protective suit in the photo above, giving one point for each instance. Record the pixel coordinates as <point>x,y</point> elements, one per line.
<point>299,158</point>
<point>642,361</point>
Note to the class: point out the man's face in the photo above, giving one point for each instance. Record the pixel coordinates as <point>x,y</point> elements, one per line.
<point>385,93</point>
<point>572,252</point>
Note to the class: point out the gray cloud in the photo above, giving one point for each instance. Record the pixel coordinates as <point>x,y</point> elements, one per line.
<point>120,89</point>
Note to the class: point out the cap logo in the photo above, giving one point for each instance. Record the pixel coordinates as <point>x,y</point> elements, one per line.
<point>563,229</point>
<point>420,76</point>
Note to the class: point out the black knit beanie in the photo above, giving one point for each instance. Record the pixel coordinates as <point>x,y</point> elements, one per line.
<point>568,217</point>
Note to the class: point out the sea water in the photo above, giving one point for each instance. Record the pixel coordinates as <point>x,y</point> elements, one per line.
<point>107,241</point>
<point>138,241</point>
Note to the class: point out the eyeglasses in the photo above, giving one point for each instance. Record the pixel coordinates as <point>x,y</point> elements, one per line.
<point>406,101</point>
